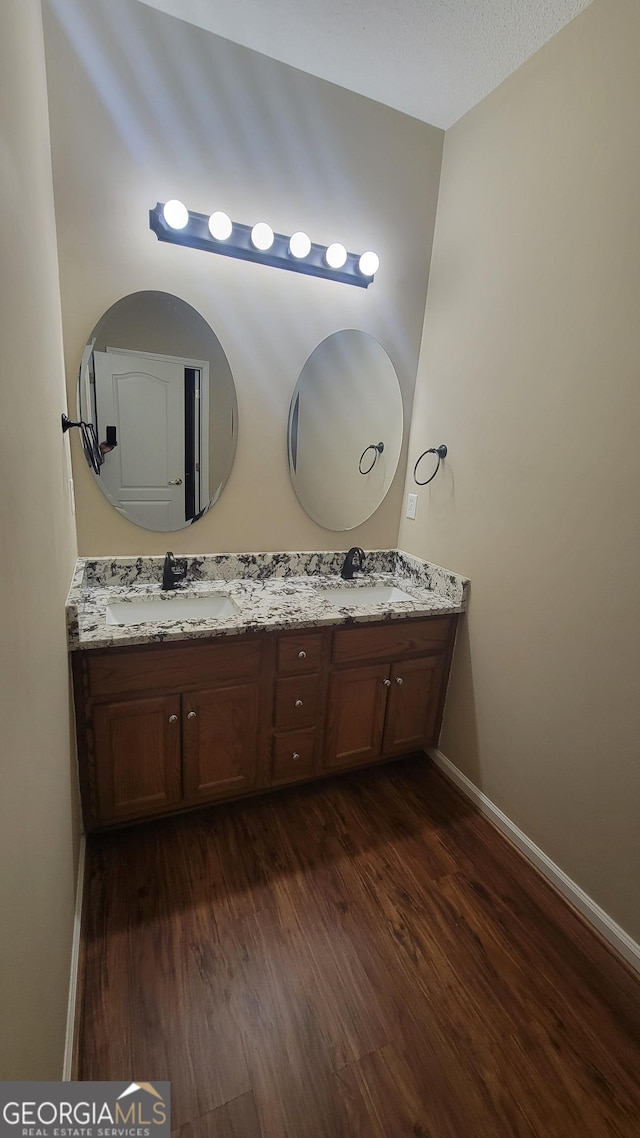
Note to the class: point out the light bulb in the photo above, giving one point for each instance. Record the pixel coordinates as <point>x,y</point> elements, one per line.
<point>335,255</point>
<point>220,226</point>
<point>175,214</point>
<point>299,245</point>
<point>369,263</point>
<point>262,236</point>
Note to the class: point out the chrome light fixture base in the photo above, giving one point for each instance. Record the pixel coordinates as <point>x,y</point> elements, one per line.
<point>195,234</point>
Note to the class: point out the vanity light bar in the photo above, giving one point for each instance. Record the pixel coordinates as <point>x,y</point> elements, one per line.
<point>194,231</point>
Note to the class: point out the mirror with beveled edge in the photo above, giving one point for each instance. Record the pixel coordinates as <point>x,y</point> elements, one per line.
<point>345,429</point>
<point>156,392</point>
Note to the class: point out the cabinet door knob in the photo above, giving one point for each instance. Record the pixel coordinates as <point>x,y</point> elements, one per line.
<point>298,703</point>
<point>173,719</point>
<point>191,715</point>
<point>399,680</point>
<point>302,655</point>
<point>295,756</point>
<point>387,683</point>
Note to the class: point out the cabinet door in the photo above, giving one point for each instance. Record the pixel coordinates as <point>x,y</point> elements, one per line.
<point>414,704</point>
<point>137,757</point>
<point>220,741</point>
<point>355,715</point>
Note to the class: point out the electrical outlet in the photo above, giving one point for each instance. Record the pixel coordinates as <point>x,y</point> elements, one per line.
<point>412,504</point>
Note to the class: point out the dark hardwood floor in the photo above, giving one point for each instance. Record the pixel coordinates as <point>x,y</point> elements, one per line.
<point>365,957</point>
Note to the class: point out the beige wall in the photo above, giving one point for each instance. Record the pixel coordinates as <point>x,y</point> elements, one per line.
<point>145,107</point>
<point>529,372</point>
<point>37,849</point>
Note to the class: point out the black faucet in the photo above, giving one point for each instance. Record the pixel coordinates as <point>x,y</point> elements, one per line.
<point>354,560</point>
<point>173,571</point>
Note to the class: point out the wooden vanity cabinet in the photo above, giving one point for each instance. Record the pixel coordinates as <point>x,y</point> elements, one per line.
<point>393,704</point>
<point>164,727</point>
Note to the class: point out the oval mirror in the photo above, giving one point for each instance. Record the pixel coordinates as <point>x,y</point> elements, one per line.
<point>158,400</point>
<point>345,429</point>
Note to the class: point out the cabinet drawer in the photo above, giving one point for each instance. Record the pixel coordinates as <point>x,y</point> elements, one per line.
<point>293,755</point>
<point>392,641</point>
<point>173,668</point>
<point>300,653</point>
<point>297,702</point>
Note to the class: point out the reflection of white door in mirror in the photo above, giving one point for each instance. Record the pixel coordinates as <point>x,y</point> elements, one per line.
<point>157,475</point>
<point>150,328</point>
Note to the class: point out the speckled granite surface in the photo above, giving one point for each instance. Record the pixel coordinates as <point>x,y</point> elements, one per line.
<point>271,591</point>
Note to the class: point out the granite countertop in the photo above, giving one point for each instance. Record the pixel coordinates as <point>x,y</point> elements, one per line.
<point>271,591</point>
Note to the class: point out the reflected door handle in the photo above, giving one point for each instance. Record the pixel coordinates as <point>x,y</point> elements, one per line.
<point>387,683</point>
<point>298,703</point>
<point>173,719</point>
<point>191,715</point>
<point>399,680</point>
<point>175,482</point>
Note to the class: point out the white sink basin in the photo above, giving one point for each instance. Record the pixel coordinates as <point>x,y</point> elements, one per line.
<point>345,597</point>
<point>161,610</point>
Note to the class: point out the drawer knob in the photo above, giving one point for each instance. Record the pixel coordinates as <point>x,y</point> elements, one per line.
<point>399,680</point>
<point>302,655</point>
<point>173,719</point>
<point>295,756</point>
<point>387,683</point>
<point>191,715</point>
<point>298,703</point>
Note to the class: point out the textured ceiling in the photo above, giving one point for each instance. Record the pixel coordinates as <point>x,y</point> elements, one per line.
<point>434,59</point>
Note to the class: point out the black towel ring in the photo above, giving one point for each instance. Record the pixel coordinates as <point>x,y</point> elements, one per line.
<point>378,449</point>
<point>441,452</point>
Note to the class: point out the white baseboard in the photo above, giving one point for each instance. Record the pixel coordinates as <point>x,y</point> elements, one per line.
<point>596,916</point>
<point>75,960</point>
